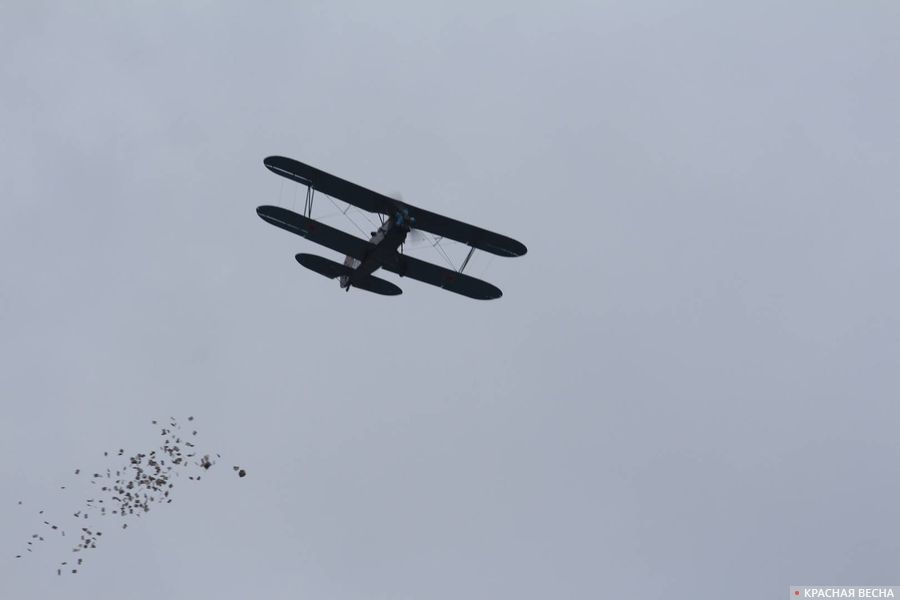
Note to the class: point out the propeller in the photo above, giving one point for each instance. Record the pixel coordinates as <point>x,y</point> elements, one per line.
<point>414,237</point>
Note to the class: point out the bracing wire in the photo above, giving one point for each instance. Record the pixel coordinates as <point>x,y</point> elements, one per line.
<point>437,240</point>
<point>446,257</point>
<point>348,216</point>
<point>330,215</point>
<point>436,244</point>
<point>366,217</point>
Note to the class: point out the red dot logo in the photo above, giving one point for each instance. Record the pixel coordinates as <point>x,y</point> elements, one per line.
<point>796,592</point>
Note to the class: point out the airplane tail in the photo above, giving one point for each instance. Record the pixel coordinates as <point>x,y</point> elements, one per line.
<point>333,270</point>
<point>323,266</point>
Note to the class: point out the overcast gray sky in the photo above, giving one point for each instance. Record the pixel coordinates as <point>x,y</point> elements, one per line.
<point>691,383</point>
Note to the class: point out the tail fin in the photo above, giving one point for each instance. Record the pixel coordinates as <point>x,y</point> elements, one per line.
<point>333,270</point>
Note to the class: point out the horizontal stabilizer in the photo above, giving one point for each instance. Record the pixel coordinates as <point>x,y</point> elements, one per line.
<point>376,285</point>
<point>323,266</point>
<point>333,270</point>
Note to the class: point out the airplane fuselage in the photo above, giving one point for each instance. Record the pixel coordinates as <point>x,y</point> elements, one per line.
<point>386,240</point>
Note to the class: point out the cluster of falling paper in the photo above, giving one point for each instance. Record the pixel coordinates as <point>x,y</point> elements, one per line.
<point>141,481</point>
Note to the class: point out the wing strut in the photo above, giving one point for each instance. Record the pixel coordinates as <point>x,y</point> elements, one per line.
<point>468,256</point>
<point>307,207</point>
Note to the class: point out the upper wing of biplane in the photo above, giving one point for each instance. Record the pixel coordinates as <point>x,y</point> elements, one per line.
<point>366,199</point>
<point>329,184</point>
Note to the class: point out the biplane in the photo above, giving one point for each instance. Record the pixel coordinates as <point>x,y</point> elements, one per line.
<point>385,248</point>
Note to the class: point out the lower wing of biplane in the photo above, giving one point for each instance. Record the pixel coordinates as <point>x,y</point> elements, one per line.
<point>362,256</point>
